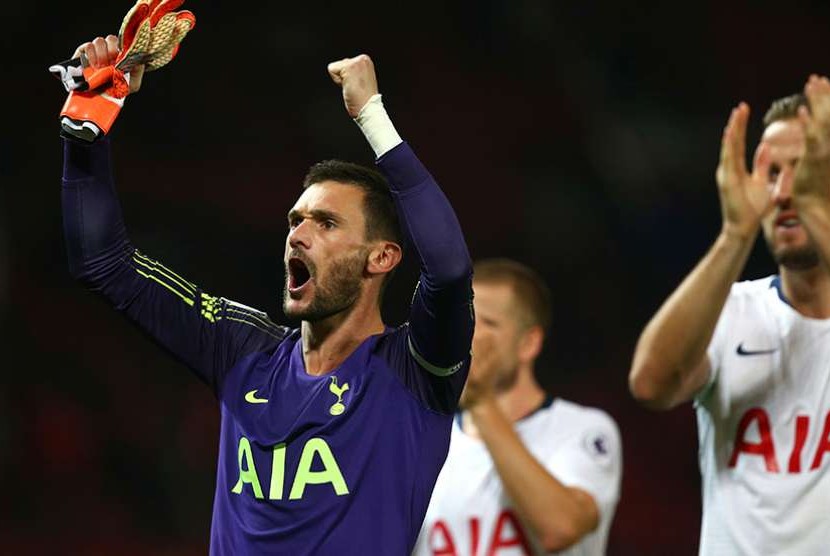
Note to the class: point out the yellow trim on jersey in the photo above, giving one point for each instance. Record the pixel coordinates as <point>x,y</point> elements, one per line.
<point>212,309</point>
<point>148,259</point>
<point>187,300</point>
<point>164,271</point>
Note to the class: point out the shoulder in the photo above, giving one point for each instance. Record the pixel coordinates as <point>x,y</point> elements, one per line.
<point>752,291</point>
<point>593,430</point>
<point>396,344</point>
<point>586,450</point>
<point>435,388</point>
<point>581,417</point>
<point>243,317</point>
<point>391,339</point>
<point>749,303</point>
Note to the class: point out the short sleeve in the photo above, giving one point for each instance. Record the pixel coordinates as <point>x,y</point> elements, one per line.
<point>592,461</point>
<point>716,350</point>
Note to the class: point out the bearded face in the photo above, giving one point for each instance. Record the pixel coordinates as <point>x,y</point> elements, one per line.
<point>326,252</point>
<point>788,241</point>
<point>329,292</point>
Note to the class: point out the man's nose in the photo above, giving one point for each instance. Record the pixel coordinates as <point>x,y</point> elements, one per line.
<point>299,235</point>
<point>783,188</point>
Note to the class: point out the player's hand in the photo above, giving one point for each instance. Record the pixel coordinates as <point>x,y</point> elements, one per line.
<point>102,52</point>
<point>357,78</point>
<point>811,183</point>
<point>481,382</point>
<point>745,198</point>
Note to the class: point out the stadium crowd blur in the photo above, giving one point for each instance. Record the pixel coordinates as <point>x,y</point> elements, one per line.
<point>578,137</point>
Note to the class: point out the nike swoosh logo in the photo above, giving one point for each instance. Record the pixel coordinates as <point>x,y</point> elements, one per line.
<point>742,351</point>
<point>250,397</point>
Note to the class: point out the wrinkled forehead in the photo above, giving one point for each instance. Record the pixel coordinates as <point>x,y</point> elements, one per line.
<point>342,199</point>
<point>785,139</point>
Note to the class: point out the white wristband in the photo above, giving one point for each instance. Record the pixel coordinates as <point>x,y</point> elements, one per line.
<point>376,126</point>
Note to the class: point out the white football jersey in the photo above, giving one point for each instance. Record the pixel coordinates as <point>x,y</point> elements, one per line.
<point>469,513</point>
<point>764,428</point>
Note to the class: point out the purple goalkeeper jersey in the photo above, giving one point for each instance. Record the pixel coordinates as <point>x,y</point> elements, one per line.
<point>343,463</point>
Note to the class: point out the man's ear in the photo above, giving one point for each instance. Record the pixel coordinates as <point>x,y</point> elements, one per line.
<point>530,345</point>
<point>384,257</point>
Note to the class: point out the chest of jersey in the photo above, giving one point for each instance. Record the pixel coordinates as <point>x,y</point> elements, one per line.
<point>471,512</point>
<point>764,428</point>
<point>772,396</point>
<point>291,438</point>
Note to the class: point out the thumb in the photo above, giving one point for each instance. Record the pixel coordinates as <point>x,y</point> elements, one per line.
<point>806,121</point>
<point>136,77</point>
<point>335,70</point>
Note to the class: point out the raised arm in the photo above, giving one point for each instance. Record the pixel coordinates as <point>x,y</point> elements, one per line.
<point>670,364</point>
<point>441,317</point>
<point>811,185</point>
<point>205,332</point>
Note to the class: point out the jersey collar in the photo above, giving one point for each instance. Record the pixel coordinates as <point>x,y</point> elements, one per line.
<point>546,403</point>
<point>776,283</point>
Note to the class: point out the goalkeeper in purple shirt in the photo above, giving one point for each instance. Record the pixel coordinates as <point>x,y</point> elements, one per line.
<point>332,435</point>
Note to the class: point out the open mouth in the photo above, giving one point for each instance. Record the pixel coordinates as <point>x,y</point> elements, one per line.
<point>298,274</point>
<point>787,221</point>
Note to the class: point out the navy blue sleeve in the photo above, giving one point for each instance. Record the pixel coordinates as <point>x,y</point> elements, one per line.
<point>441,319</point>
<point>207,333</point>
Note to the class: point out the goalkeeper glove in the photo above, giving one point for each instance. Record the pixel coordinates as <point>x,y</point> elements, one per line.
<point>150,35</point>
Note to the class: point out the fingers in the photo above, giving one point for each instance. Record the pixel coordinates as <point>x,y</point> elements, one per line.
<point>761,163</point>
<point>815,118</point>
<point>99,55</point>
<point>336,69</point>
<point>817,89</point>
<point>726,145</point>
<point>739,145</point>
<point>136,77</point>
<point>112,47</point>
<point>101,52</point>
<point>733,144</point>
<point>339,69</point>
<point>80,50</point>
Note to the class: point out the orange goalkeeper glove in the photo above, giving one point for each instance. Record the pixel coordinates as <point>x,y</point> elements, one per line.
<point>150,36</point>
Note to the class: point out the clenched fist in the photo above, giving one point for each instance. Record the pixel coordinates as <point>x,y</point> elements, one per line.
<point>356,76</point>
<point>103,52</point>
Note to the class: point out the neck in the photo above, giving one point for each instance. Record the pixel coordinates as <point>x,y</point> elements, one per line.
<point>808,291</point>
<point>328,342</point>
<point>521,399</point>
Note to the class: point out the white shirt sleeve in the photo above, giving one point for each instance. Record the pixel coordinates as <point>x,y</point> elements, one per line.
<point>592,461</point>
<point>715,352</point>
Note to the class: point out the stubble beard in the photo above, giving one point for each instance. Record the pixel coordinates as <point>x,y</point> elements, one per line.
<point>795,258</point>
<point>333,295</point>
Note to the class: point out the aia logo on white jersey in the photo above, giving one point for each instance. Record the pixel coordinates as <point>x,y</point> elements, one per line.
<point>507,533</point>
<point>765,447</point>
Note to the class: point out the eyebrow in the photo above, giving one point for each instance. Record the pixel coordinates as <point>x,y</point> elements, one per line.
<point>317,214</point>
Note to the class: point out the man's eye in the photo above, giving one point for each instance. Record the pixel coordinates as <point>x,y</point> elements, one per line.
<point>328,224</point>
<point>773,174</point>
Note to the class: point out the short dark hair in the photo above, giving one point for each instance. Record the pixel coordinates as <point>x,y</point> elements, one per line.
<point>785,108</point>
<point>379,208</point>
<point>532,294</point>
